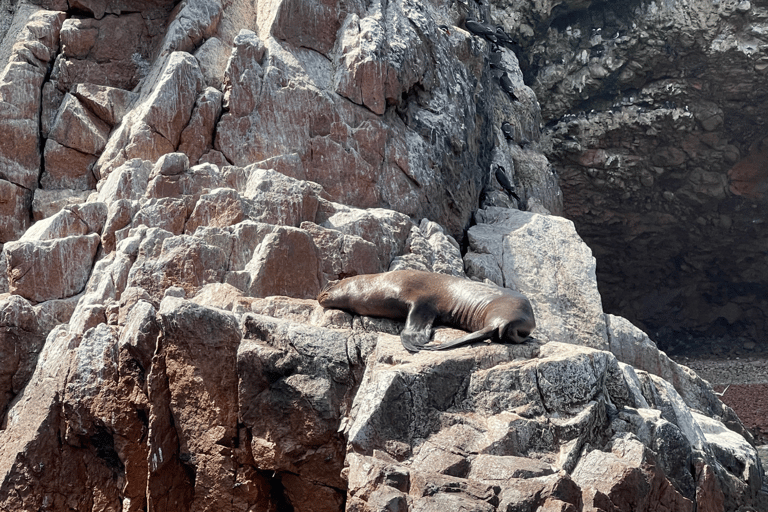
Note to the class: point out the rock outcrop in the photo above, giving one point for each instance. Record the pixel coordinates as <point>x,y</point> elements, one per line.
<point>653,119</point>
<point>183,181</point>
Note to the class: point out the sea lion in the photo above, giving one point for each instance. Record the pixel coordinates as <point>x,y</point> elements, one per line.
<point>488,311</point>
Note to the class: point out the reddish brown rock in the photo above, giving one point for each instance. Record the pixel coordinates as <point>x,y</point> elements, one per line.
<point>107,51</point>
<point>330,164</point>
<point>67,168</point>
<point>364,75</point>
<point>109,104</point>
<point>20,342</point>
<point>749,177</point>
<point>220,208</point>
<point>79,470</point>
<point>309,24</point>
<point>198,343</point>
<point>74,220</point>
<point>50,269</point>
<point>49,202</point>
<point>197,137</point>
<point>156,122</point>
<point>171,164</point>
<point>709,495</point>
<point>129,181</point>
<point>119,215</point>
<point>343,255</point>
<point>193,182</point>
<point>15,205</point>
<point>627,479</point>
<point>386,229</point>
<point>190,25</point>
<point>278,199</point>
<point>182,261</point>
<point>286,262</point>
<point>165,213</point>
<point>77,128</point>
<point>21,83</point>
<point>50,102</point>
<point>213,55</point>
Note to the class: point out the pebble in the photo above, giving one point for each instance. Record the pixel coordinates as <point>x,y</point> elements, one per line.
<point>746,370</point>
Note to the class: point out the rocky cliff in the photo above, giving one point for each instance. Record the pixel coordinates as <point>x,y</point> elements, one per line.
<point>180,180</point>
<point>655,121</point>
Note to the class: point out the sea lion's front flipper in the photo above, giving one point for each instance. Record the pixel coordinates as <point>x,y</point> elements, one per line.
<point>413,341</point>
<point>418,327</point>
<point>483,334</point>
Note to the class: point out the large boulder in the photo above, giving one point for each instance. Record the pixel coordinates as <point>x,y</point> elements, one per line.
<point>559,278</point>
<point>50,269</point>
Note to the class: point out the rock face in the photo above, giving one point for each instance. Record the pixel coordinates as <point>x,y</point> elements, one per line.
<point>655,128</point>
<point>180,181</point>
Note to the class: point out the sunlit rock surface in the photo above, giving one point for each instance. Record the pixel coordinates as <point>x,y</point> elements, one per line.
<point>180,181</point>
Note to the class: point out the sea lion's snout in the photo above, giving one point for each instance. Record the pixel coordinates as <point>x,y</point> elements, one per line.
<point>325,293</point>
<point>518,331</point>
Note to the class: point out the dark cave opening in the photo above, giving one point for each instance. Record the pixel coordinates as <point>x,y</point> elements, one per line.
<point>695,288</point>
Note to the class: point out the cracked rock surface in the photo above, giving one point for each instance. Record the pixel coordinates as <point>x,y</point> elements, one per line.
<point>179,180</point>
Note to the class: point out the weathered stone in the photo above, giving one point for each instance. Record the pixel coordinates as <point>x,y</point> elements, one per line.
<point>67,168</point>
<point>386,229</point>
<point>566,302</point>
<point>77,128</point>
<point>165,213</point>
<point>50,269</point>
<point>155,124</point>
<point>108,52</point>
<point>213,55</point>
<point>192,24</point>
<point>432,250</point>
<point>198,343</point>
<point>170,164</point>
<point>365,76</point>
<point>129,181</point>
<point>197,180</point>
<point>620,476</point>
<point>49,202</point>
<point>278,199</point>
<point>197,137</point>
<point>182,261</point>
<point>632,346</point>
<point>50,102</point>
<point>273,362</point>
<point>286,262</point>
<point>20,342</point>
<point>220,208</point>
<point>119,215</point>
<point>529,493</point>
<point>109,104</point>
<point>74,220</point>
<point>343,255</point>
<point>305,24</point>
<point>14,210</point>
<point>21,83</point>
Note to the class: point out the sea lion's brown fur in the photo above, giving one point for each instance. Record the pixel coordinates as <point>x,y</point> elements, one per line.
<point>424,298</point>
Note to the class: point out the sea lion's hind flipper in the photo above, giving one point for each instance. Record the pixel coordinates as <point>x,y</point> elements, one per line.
<point>483,334</point>
<point>418,327</point>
